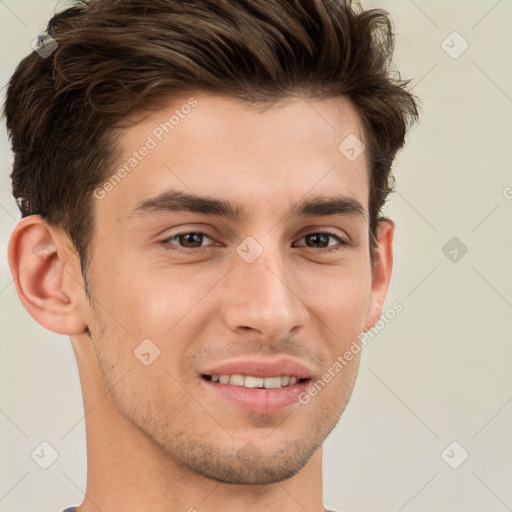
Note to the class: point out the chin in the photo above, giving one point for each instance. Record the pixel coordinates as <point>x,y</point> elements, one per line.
<point>247,465</point>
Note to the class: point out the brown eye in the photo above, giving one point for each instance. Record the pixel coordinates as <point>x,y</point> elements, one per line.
<point>322,241</point>
<point>187,240</point>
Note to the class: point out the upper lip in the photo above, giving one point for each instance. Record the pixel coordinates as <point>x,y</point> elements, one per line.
<point>268,367</point>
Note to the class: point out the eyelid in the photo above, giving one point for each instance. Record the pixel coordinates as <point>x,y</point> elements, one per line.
<point>324,232</point>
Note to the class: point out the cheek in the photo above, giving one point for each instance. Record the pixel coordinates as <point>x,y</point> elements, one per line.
<point>160,301</point>
<point>341,297</point>
<point>341,304</point>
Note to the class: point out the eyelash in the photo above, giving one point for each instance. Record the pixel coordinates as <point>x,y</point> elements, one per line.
<point>167,242</point>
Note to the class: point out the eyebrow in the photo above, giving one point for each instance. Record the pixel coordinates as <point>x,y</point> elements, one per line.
<point>177,201</point>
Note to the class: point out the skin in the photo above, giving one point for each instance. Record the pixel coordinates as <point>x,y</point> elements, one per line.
<point>156,439</point>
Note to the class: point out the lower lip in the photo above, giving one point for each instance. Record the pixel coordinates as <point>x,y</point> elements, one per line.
<point>259,399</point>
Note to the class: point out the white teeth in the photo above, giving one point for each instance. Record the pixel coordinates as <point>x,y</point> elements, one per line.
<point>272,382</point>
<point>252,382</point>
<point>237,380</point>
<point>255,382</point>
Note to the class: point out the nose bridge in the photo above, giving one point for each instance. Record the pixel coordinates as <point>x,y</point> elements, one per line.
<point>263,291</point>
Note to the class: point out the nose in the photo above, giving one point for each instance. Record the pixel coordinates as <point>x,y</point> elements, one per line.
<point>264,296</point>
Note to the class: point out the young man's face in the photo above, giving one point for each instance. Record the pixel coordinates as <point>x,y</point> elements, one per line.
<point>266,287</point>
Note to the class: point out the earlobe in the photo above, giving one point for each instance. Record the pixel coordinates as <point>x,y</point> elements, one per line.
<point>381,272</point>
<point>37,259</point>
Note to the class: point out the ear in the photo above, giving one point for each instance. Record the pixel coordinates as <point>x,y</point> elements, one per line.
<point>46,274</point>
<point>381,271</point>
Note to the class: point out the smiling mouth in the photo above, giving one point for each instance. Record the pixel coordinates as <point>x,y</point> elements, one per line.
<point>249,381</point>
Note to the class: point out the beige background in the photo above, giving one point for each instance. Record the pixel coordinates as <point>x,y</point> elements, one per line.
<point>439,372</point>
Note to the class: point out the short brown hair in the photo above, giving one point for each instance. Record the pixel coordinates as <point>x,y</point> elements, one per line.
<point>116,56</point>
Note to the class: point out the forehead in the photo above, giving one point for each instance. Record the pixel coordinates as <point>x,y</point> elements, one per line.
<point>218,146</point>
